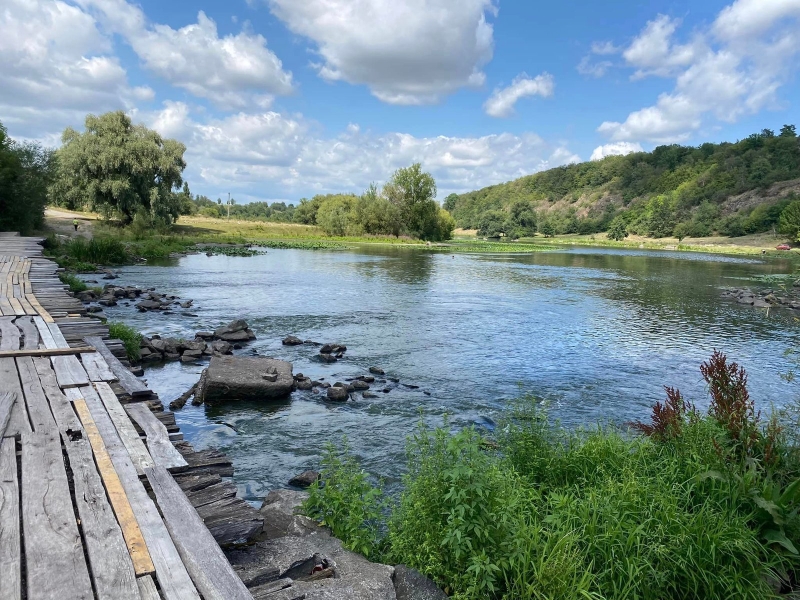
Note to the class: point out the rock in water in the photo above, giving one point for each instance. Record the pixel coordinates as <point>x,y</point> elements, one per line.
<point>304,479</point>
<point>292,341</point>
<point>338,394</point>
<point>241,378</point>
<point>376,371</point>
<point>235,331</point>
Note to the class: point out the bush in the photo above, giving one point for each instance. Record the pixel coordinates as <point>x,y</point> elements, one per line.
<point>618,230</point>
<point>789,223</point>
<point>130,338</point>
<point>693,508</point>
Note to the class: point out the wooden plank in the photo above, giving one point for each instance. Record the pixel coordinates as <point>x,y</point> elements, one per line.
<point>127,432</point>
<point>10,565</point>
<point>44,333</point>
<point>96,367</point>
<point>47,352</point>
<point>9,382</point>
<point>132,534</point>
<point>111,565</point>
<point>147,588</point>
<point>161,449</point>
<point>54,560</point>
<point>126,379</point>
<point>69,371</point>
<point>172,576</point>
<point>18,310</point>
<point>57,335</point>
<point>38,409</point>
<point>9,334</point>
<point>207,565</point>
<point>7,400</point>
<point>29,332</point>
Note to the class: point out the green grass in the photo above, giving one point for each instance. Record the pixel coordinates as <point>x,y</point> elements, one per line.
<point>129,336</point>
<point>693,511</point>
<point>75,284</point>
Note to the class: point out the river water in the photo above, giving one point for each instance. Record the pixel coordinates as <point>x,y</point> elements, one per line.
<point>595,332</point>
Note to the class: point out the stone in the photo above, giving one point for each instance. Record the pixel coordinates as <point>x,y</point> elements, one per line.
<point>272,377</point>
<point>410,584</point>
<point>137,371</point>
<point>107,302</point>
<point>338,394</point>
<point>359,385</point>
<point>366,378</point>
<point>187,358</point>
<point>303,384</point>
<point>369,395</point>
<point>328,358</point>
<point>94,309</point>
<point>292,341</point>
<point>759,303</point>
<point>109,274</point>
<point>221,347</point>
<point>172,356</point>
<point>193,353</point>
<point>148,305</point>
<point>235,331</point>
<point>326,349</point>
<point>204,335</point>
<point>187,304</point>
<point>280,510</point>
<point>304,479</point>
<point>240,378</point>
<point>770,298</point>
<point>377,371</point>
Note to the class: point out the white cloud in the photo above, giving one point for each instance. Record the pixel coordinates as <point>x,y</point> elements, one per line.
<point>594,69</point>
<point>276,155</point>
<point>409,52</point>
<point>501,102</point>
<point>618,149</point>
<point>56,67</point>
<point>233,71</point>
<point>605,48</point>
<point>733,68</point>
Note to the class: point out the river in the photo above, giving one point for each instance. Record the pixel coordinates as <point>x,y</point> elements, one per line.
<point>595,332</point>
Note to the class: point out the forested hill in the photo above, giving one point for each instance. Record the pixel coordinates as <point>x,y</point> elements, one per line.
<point>728,188</point>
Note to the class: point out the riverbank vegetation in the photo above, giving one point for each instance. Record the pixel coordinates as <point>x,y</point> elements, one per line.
<point>731,189</point>
<point>131,339</point>
<point>694,505</point>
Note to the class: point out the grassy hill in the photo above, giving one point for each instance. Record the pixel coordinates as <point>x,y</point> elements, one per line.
<point>727,189</point>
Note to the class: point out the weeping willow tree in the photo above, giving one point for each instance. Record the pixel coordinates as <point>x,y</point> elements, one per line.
<point>119,169</point>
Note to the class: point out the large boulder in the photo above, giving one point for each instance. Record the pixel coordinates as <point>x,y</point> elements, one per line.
<point>410,584</point>
<point>244,378</point>
<point>338,394</point>
<point>235,331</point>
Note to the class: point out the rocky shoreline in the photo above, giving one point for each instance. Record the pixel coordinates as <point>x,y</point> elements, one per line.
<point>766,298</point>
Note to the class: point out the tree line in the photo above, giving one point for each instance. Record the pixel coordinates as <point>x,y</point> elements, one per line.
<point>130,173</point>
<point>676,190</point>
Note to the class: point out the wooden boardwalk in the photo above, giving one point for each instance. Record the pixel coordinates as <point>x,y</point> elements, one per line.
<point>91,503</point>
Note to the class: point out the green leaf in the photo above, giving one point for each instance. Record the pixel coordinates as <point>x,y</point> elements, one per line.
<point>774,536</point>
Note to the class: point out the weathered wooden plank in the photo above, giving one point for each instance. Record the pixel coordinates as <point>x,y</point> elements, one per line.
<point>161,449</point>
<point>132,533</point>
<point>96,367</point>
<point>10,565</point>
<point>44,333</point>
<point>127,432</point>
<point>207,565</point>
<point>57,335</point>
<point>69,371</point>
<point>38,409</point>
<point>126,379</point>
<point>9,381</point>
<point>54,560</point>
<point>29,333</point>
<point>7,400</point>
<point>112,568</point>
<point>147,588</point>
<point>172,576</point>
<point>46,352</point>
<point>9,334</point>
<point>212,493</point>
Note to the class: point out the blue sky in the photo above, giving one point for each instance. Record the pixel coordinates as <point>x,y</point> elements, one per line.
<point>283,99</point>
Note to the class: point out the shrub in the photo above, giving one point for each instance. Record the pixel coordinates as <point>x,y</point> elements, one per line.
<point>75,284</point>
<point>130,338</point>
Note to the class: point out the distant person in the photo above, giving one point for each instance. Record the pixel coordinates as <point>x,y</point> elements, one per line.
<point>75,224</point>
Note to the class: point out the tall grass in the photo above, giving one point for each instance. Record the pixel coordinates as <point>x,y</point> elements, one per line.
<point>131,339</point>
<point>692,510</point>
<point>75,284</point>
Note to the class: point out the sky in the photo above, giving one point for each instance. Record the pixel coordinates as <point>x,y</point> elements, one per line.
<point>284,99</point>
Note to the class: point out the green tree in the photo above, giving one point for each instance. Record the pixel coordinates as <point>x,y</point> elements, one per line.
<point>789,223</point>
<point>493,224</point>
<point>413,192</point>
<point>789,131</point>
<point>547,229</point>
<point>660,217</point>
<point>374,214</point>
<point>25,172</point>
<point>118,168</point>
<point>618,230</point>
<point>450,203</point>
<point>334,214</point>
